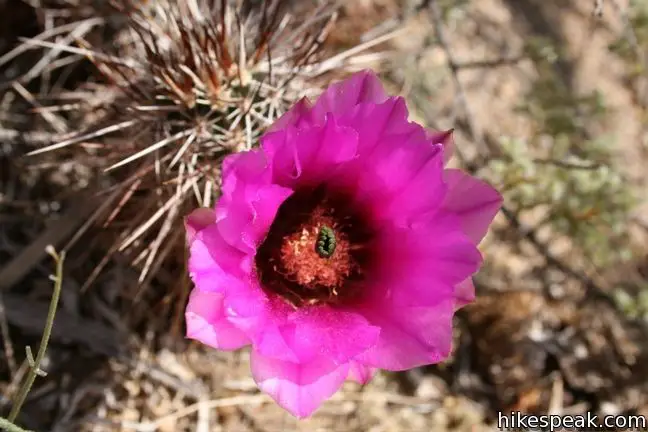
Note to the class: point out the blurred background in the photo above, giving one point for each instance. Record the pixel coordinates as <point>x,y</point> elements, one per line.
<point>114,117</point>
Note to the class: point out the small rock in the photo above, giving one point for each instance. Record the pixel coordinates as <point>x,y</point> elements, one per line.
<point>431,388</point>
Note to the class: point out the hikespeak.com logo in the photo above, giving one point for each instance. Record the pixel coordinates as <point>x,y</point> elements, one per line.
<point>517,420</point>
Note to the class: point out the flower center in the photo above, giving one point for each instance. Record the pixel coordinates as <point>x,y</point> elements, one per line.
<point>316,249</point>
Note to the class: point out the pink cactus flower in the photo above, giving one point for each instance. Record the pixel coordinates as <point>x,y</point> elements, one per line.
<point>341,246</point>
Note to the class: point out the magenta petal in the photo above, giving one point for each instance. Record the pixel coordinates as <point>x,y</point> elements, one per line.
<point>309,156</point>
<point>234,220</point>
<point>207,322</point>
<point>287,158</point>
<point>297,116</point>
<point>342,96</point>
<point>452,260</point>
<point>264,207</point>
<point>446,140</point>
<point>376,122</point>
<point>422,195</point>
<point>391,165</point>
<point>393,162</point>
<point>360,373</point>
<point>262,318</point>
<point>298,388</point>
<point>245,168</point>
<point>243,174</point>
<point>302,335</point>
<point>473,200</point>
<point>270,343</point>
<point>464,293</point>
<point>197,220</point>
<point>321,330</point>
<point>252,312</point>
<point>418,289</point>
<point>249,202</point>
<point>337,145</point>
<point>410,336</point>
<point>211,255</point>
<point>437,251</point>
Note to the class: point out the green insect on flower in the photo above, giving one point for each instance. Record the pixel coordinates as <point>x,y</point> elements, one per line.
<point>326,242</point>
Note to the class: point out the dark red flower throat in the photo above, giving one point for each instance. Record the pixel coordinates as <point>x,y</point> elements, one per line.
<point>316,250</point>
